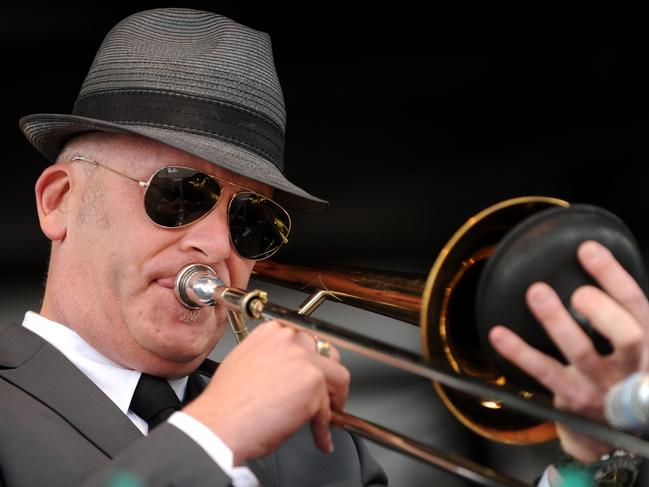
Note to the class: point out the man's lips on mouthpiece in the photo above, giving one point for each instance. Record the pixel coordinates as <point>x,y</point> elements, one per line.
<point>167,282</point>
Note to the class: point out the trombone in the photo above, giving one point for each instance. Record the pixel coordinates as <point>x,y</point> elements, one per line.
<point>478,396</point>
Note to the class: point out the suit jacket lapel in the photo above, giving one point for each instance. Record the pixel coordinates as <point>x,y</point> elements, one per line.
<point>33,365</point>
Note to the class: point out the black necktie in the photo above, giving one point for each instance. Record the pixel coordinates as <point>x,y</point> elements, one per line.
<point>154,400</point>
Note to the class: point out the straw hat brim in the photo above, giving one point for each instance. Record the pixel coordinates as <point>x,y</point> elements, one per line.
<point>49,132</point>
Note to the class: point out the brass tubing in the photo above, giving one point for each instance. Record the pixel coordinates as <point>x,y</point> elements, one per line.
<point>442,305</point>
<point>310,304</point>
<point>539,407</point>
<point>255,303</point>
<point>449,462</point>
<point>417,364</point>
<point>397,295</point>
<point>237,325</point>
<point>453,464</point>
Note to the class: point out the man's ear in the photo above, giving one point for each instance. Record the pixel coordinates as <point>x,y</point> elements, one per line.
<point>53,200</point>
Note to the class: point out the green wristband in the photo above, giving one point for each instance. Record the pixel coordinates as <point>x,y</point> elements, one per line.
<point>616,469</point>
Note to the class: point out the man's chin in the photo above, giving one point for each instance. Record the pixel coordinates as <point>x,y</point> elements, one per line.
<point>175,364</point>
<point>175,340</point>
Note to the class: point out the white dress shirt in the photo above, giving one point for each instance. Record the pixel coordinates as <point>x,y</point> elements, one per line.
<point>119,383</point>
<point>545,481</point>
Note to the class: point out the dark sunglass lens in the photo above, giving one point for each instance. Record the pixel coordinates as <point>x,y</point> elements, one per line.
<point>177,196</point>
<point>258,226</point>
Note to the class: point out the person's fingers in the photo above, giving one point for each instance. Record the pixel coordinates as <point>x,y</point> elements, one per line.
<point>615,280</point>
<point>571,390</point>
<point>268,328</point>
<point>334,354</point>
<point>570,339</point>
<point>321,425</point>
<point>613,322</point>
<point>310,342</point>
<point>338,379</point>
<point>336,376</point>
<point>582,447</point>
<point>546,370</point>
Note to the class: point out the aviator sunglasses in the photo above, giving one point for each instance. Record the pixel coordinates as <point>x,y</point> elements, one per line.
<point>176,196</point>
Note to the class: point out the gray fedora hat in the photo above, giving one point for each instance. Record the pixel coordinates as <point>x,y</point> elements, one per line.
<point>194,80</point>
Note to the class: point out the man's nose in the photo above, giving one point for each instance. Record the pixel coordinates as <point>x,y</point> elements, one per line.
<point>210,236</point>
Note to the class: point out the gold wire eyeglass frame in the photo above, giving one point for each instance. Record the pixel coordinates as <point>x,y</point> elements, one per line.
<point>282,230</point>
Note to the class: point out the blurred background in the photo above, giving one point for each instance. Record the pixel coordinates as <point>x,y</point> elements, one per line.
<point>409,121</point>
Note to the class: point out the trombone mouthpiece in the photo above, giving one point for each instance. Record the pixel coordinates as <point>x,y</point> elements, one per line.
<point>195,286</point>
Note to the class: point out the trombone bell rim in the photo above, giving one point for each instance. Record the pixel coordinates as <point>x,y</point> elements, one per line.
<point>437,288</point>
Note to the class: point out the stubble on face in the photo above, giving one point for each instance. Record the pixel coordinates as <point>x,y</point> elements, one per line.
<point>91,211</point>
<point>186,315</point>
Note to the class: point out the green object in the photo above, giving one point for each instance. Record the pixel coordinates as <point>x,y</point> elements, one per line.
<point>124,479</point>
<point>617,469</point>
<point>575,476</point>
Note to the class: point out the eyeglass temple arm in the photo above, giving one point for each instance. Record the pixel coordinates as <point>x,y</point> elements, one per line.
<point>98,164</point>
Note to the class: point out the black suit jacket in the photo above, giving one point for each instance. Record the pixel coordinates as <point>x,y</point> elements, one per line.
<point>57,428</point>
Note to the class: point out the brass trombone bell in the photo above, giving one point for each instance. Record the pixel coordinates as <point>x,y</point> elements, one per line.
<point>442,304</point>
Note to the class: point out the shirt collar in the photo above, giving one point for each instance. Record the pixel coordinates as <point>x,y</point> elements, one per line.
<point>117,382</point>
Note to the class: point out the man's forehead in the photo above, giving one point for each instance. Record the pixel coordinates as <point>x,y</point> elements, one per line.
<point>147,155</point>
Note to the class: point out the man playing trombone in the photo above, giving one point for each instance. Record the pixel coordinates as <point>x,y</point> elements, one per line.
<point>173,155</point>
